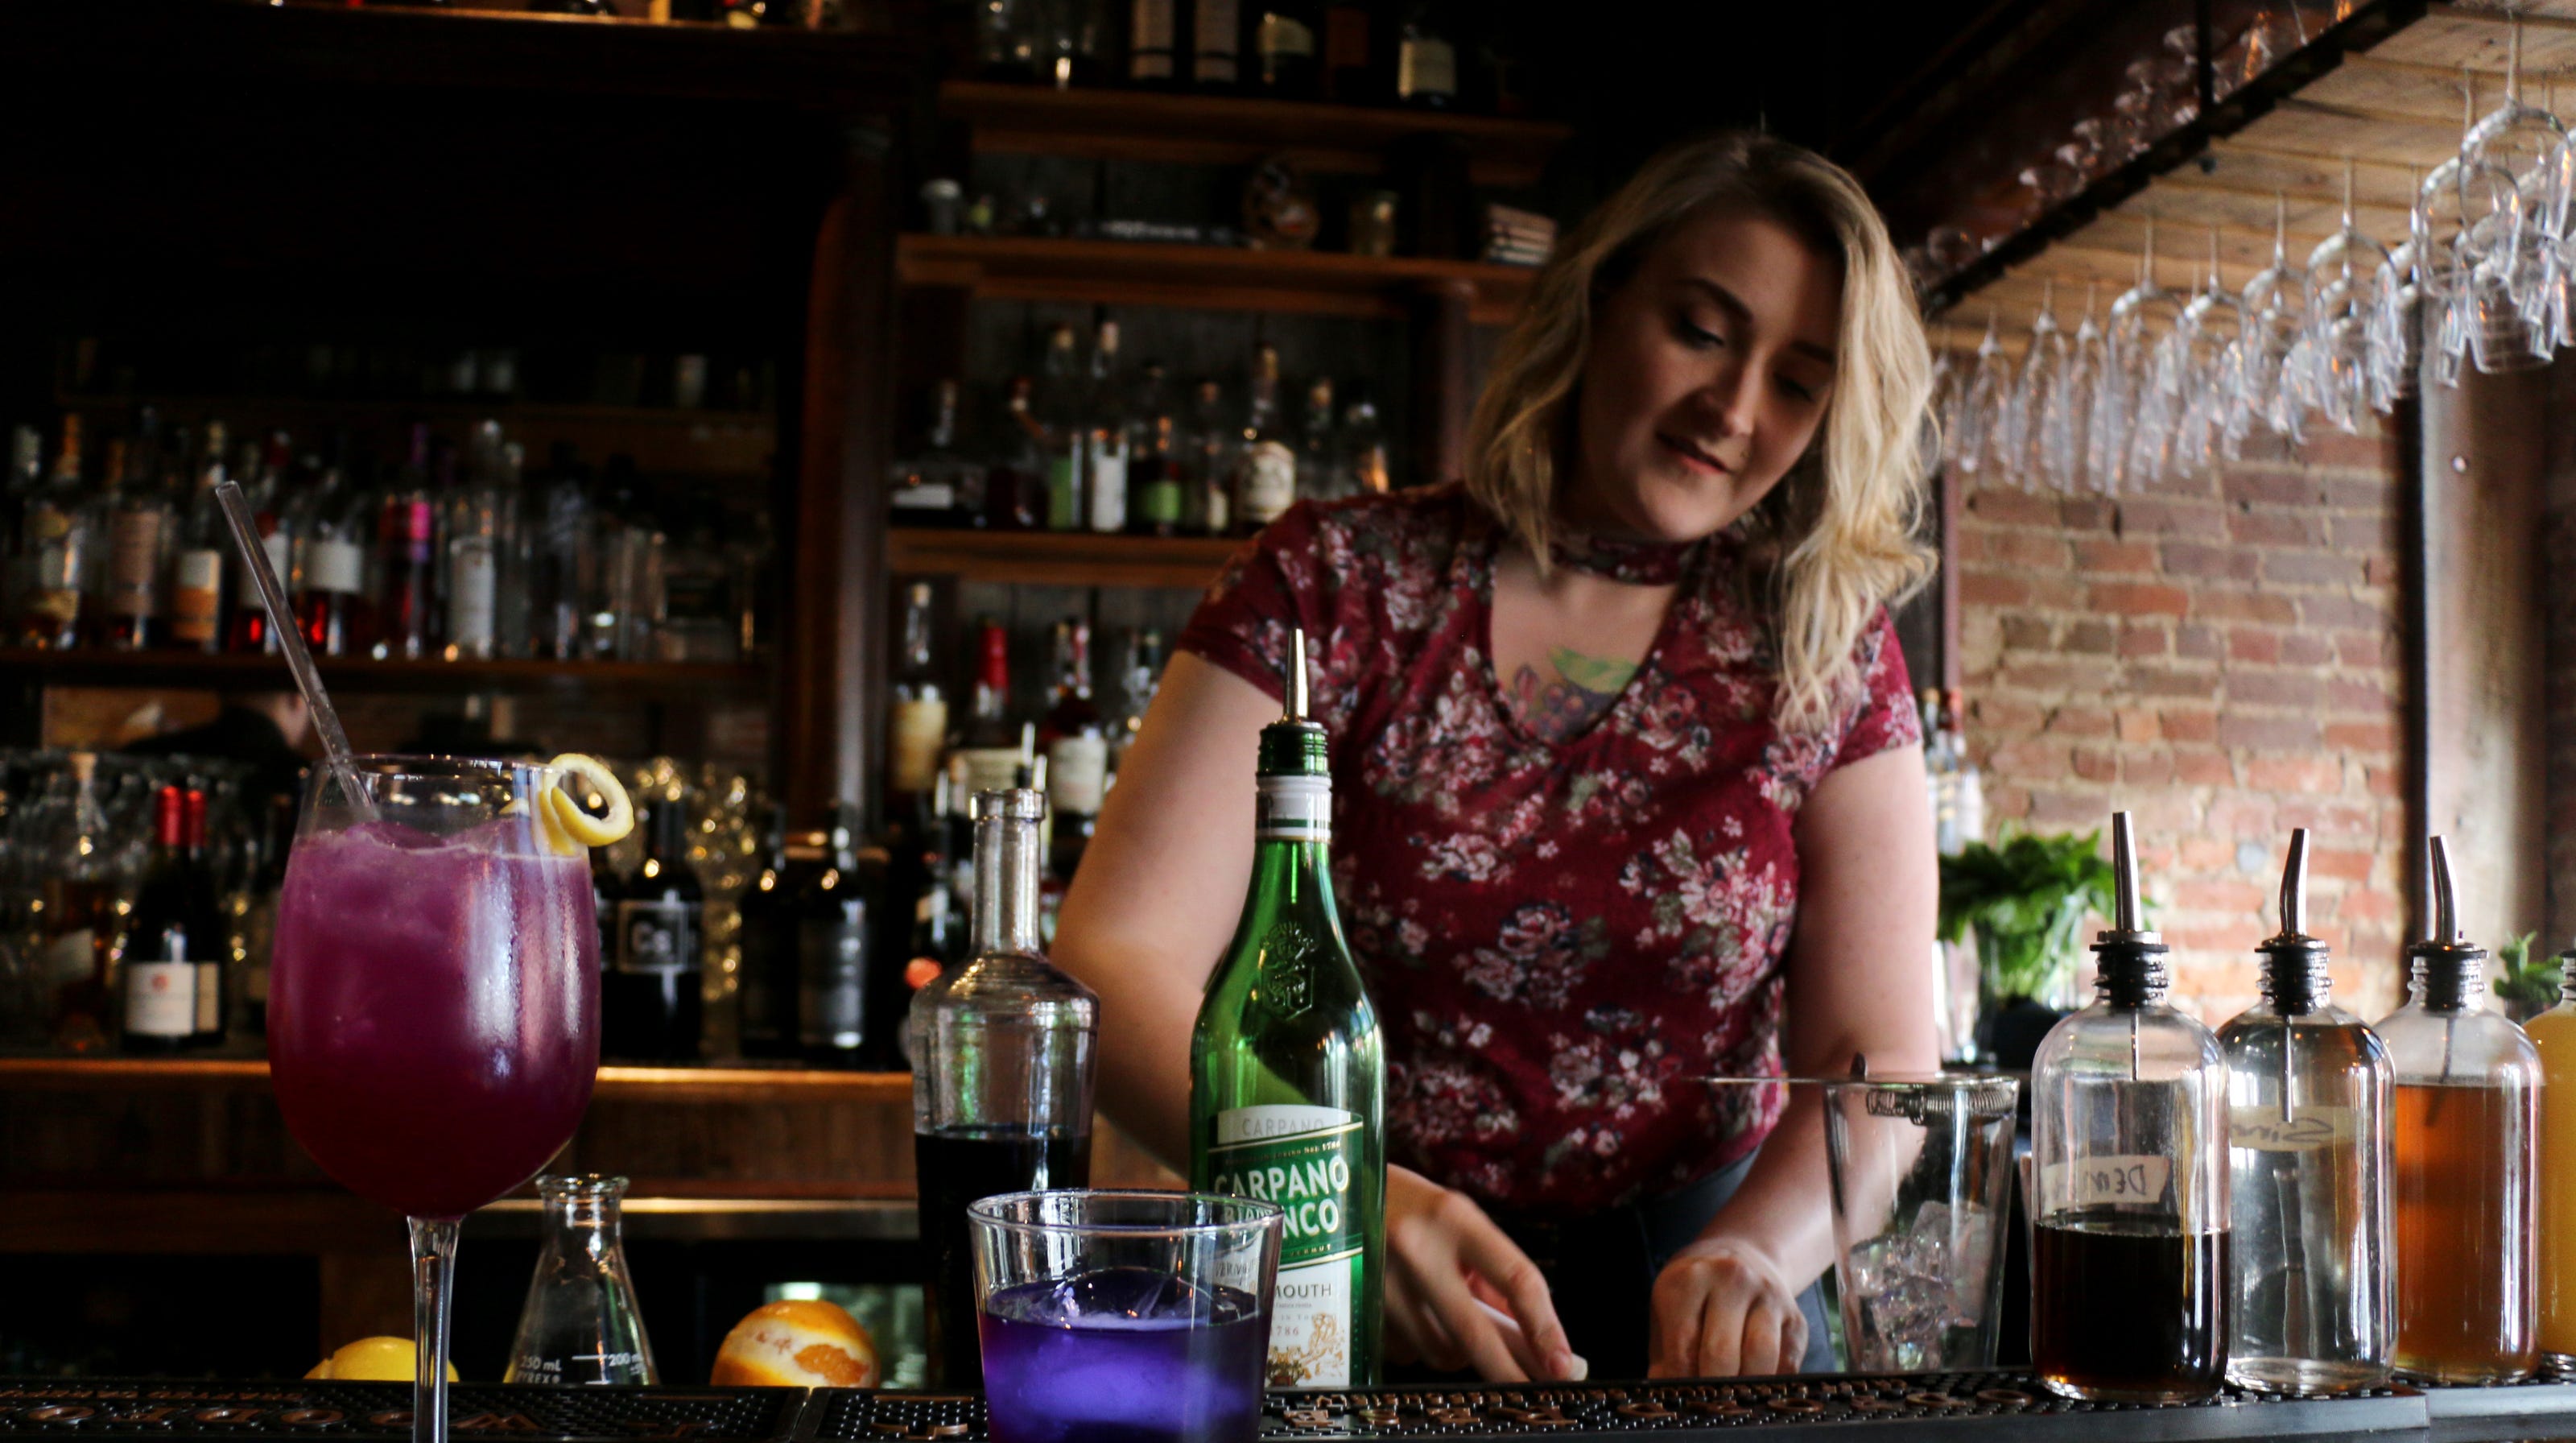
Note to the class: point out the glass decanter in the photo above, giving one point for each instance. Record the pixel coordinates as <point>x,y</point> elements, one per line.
<point>580,1324</point>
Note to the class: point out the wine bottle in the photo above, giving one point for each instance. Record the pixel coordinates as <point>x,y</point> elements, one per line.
<point>163,941</point>
<point>1287,1073</point>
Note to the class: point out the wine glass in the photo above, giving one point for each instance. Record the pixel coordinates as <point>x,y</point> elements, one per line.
<point>2276,315</point>
<point>1981,405</point>
<point>2027,414</point>
<point>2344,274</point>
<point>2522,141</point>
<point>2210,359</point>
<point>2137,374</point>
<point>2396,333</point>
<point>433,1022</point>
<point>2064,433</point>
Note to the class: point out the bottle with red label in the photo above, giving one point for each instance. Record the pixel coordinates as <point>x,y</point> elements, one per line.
<point>328,524</point>
<point>213,960</point>
<point>406,551</point>
<point>263,469</point>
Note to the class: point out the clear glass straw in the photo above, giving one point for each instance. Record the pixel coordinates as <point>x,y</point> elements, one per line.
<point>290,639</point>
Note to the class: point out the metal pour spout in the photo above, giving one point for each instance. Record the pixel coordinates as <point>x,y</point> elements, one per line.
<point>2294,887</point>
<point>2129,908</point>
<point>2446,906</point>
<point>1296,678</point>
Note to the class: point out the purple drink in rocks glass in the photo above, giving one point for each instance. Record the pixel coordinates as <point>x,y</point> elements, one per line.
<point>1124,1317</point>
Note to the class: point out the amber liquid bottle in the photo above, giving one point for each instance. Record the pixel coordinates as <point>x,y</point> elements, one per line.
<point>2462,1181</point>
<point>2553,1036</point>
<point>2129,1268</point>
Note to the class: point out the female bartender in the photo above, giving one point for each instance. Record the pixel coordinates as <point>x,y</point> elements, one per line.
<point>1628,785</point>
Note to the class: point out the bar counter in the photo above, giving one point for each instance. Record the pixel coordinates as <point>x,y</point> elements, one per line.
<point>1894,1408</point>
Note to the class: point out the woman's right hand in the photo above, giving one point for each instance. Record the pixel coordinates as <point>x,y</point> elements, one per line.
<point>1459,1292</point>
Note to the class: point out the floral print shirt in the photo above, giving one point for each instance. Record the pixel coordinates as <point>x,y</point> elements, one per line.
<point>1558,937</point>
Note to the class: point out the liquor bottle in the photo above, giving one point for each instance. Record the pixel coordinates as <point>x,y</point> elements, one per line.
<point>248,628</point>
<point>2129,1147</point>
<point>1208,507</point>
<point>1077,750</point>
<point>1070,42</point>
<point>2553,1039</point>
<point>1287,1072</point>
<point>1015,495</point>
<point>213,957</point>
<point>1351,73</point>
<point>563,566</point>
<point>1158,472</point>
<point>2463,1180</point>
<point>768,921</point>
<point>1006,39</point>
<point>1320,473</point>
<point>939,487</point>
<point>81,933</point>
<point>1002,1051</point>
<point>1156,46</point>
<point>838,915</point>
<point>918,729</point>
<point>197,559</point>
<point>2308,1158</point>
<point>1058,412</point>
<point>328,523</point>
<point>1284,64</point>
<point>1265,480</point>
<point>406,545</point>
<point>580,1325</point>
<point>1104,460</point>
<point>1364,449</point>
<point>634,606</point>
<point>164,938</point>
<point>651,1004</point>
<point>1140,677</point>
<point>58,542</point>
<point>138,537</point>
<point>481,528</point>
<point>990,749</point>
<point>1216,46</point>
<point>1426,58</point>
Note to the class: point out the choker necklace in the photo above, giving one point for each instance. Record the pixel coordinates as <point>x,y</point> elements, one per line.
<point>1638,563</point>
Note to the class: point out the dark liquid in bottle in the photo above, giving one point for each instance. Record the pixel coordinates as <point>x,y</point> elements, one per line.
<point>2459,1184</point>
<point>2122,1311</point>
<point>958,1168</point>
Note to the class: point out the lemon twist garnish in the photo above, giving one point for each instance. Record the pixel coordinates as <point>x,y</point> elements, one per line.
<point>568,828</point>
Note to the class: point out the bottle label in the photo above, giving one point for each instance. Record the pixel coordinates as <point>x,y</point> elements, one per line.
<point>1149,39</point>
<point>2264,1129</point>
<point>657,937</point>
<point>196,595</point>
<point>1220,506</point>
<point>2094,1181</point>
<point>333,566</point>
<point>281,559</point>
<point>831,982</point>
<point>473,594</point>
<point>161,997</point>
<point>1160,499</point>
<point>1424,66</point>
<point>210,998</point>
<point>1217,61</point>
<point>1064,491</point>
<point>989,769</point>
<point>1107,473</point>
<point>1077,774</point>
<point>920,729</point>
<point>1269,481</point>
<point>73,956</point>
<point>1306,1159</point>
<point>1293,809</point>
<point>1284,35</point>
<point>133,555</point>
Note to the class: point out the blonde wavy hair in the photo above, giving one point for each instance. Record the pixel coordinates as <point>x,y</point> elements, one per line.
<point>1836,538</point>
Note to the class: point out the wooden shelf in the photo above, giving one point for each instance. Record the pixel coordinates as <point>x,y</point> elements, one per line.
<point>1059,558</point>
<point>1219,278</point>
<point>85,667</point>
<point>1134,125</point>
<point>616,1083</point>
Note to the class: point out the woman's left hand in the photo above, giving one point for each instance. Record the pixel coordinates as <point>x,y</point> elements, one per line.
<point>1723,1308</point>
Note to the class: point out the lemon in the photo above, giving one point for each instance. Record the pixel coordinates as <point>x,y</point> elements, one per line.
<point>567,827</point>
<point>376,1360</point>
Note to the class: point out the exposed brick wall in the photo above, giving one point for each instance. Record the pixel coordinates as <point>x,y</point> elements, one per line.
<point>2221,657</point>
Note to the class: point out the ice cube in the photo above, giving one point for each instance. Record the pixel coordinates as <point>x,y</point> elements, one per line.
<point>1127,1292</point>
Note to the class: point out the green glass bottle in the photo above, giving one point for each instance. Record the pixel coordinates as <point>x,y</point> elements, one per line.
<point>1287,1080</point>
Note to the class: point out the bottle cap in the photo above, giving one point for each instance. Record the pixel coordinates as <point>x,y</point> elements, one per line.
<point>2129,960</point>
<point>2294,963</point>
<point>2449,973</point>
<point>1013,804</point>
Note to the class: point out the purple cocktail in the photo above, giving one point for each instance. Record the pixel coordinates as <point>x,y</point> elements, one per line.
<point>1123,1355</point>
<point>433,1020</point>
<point>433,1009</point>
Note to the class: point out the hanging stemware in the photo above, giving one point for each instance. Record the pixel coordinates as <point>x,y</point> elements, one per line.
<point>2276,312</point>
<point>2066,419</point>
<point>2523,141</point>
<point>1981,402</point>
<point>2344,274</point>
<point>2137,373</point>
<point>2034,391</point>
<point>2396,334</point>
<point>2209,342</point>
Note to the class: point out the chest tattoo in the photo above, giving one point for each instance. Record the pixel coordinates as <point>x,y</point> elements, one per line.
<point>1561,708</point>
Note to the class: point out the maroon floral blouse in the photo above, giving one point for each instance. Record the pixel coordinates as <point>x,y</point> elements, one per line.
<point>1558,936</point>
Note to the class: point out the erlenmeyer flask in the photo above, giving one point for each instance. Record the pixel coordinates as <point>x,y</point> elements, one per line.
<point>580,1323</point>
